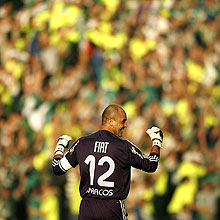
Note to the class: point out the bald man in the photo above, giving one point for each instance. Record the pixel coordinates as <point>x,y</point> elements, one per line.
<point>105,161</point>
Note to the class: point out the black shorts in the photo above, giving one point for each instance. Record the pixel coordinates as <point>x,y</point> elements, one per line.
<point>102,209</point>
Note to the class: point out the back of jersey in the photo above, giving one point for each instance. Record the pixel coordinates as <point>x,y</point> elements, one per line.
<point>104,166</point>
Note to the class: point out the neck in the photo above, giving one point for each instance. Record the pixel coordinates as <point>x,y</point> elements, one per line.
<point>106,128</point>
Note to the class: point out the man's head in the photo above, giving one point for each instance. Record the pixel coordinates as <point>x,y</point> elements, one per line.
<point>114,119</point>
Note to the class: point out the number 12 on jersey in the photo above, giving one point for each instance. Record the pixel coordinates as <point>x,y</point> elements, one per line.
<point>91,161</point>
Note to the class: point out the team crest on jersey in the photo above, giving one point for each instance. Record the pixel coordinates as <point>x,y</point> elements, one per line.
<point>133,150</point>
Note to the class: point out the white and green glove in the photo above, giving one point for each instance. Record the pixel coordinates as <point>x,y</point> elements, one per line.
<point>156,136</point>
<point>63,142</point>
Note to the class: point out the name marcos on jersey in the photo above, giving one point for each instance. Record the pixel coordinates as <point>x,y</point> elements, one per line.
<point>100,192</point>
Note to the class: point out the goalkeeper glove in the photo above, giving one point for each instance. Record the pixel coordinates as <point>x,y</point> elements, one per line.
<point>63,142</point>
<point>156,136</point>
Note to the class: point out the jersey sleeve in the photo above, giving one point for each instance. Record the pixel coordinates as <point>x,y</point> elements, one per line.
<point>142,161</point>
<point>62,165</point>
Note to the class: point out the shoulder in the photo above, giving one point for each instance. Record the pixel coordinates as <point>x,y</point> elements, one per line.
<point>84,138</point>
<point>88,137</point>
<point>130,144</point>
<point>121,141</point>
<point>127,145</point>
<point>133,148</point>
<point>92,135</point>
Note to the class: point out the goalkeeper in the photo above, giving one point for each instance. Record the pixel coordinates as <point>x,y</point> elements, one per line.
<point>105,161</point>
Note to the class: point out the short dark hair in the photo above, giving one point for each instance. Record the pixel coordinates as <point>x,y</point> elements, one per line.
<point>110,111</point>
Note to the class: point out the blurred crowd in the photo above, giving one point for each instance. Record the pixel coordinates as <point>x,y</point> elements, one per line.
<point>63,61</point>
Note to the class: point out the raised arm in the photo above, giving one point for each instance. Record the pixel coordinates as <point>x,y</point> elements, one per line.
<point>147,163</point>
<point>59,163</point>
<point>156,136</point>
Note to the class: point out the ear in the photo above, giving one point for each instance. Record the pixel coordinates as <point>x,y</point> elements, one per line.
<point>110,121</point>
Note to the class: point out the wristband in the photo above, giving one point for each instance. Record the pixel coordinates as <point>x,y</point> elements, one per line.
<point>157,142</point>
